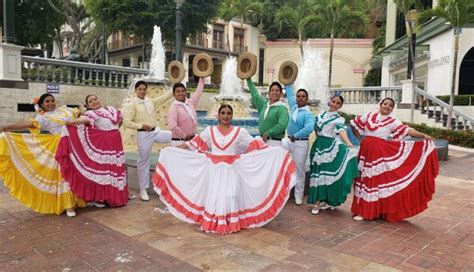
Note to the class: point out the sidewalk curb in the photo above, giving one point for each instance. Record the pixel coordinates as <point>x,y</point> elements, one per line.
<point>460,148</point>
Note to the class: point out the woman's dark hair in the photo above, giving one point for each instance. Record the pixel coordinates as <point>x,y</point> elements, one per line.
<point>340,97</point>
<point>87,97</point>
<point>42,98</point>
<point>304,91</point>
<point>387,98</point>
<point>225,106</point>
<point>178,85</point>
<point>141,82</point>
<point>275,84</point>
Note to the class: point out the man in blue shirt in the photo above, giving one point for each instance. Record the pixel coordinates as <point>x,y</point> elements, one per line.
<point>300,126</point>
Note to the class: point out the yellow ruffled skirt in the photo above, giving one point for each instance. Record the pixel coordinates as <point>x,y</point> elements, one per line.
<point>29,170</point>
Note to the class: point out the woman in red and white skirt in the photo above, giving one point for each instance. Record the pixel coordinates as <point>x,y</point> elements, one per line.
<point>397,178</point>
<point>91,156</point>
<point>232,182</point>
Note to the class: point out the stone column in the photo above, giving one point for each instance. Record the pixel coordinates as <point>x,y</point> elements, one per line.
<point>407,91</point>
<point>10,60</point>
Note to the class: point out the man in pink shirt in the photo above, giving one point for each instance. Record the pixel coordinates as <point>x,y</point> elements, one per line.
<point>182,117</point>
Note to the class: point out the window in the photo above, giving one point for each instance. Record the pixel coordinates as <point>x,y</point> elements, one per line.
<point>218,36</point>
<point>126,62</point>
<point>239,35</point>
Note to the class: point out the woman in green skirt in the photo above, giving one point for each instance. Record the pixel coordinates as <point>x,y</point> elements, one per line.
<point>333,161</point>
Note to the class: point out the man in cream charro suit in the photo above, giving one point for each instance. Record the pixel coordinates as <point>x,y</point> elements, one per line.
<point>139,115</point>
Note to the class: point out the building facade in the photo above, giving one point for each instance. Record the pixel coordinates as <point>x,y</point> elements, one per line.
<point>434,54</point>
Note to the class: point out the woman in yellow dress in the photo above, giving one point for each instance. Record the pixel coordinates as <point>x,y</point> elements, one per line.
<point>27,160</point>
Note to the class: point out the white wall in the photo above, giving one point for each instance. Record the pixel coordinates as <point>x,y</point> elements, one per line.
<point>440,64</point>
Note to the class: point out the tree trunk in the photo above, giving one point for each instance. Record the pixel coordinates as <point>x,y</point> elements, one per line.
<point>331,49</point>
<point>300,42</point>
<point>453,83</point>
<point>241,34</point>
<point>228,39</point>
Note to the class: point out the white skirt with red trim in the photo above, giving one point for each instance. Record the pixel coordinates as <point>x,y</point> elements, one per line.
<point>224,193</point>
<point>397,178</point>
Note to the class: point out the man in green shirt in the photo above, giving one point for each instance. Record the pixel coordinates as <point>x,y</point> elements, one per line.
<point>273,114</point>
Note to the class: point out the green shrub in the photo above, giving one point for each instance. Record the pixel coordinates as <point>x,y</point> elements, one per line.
<point>454,137</point>
<point>459,100</point>
<point>206,90</point>
<point>373,77</point>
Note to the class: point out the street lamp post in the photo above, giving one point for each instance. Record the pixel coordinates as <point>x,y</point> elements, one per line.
<point>261,41</point>
<point>179,30</point>
<point>9,21</point>
<point>412,18</point>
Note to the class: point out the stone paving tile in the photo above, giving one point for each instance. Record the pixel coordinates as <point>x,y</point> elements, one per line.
<point>140,237</point>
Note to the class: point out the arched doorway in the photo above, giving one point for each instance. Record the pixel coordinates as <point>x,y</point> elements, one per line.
<point>466,80</point>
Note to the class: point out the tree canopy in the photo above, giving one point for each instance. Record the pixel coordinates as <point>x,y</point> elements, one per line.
<point>36,23</point>
<point>138,16</point>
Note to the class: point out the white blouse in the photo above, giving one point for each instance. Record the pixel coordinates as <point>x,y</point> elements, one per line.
<point>235,141</point>
<point>381,126</point>
<point>104,118</point>
<point>329,124</point>
<point>53,121</point>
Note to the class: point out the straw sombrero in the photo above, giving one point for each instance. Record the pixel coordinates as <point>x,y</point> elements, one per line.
<point>288,72</point>
<point>246,65</point>
<point>202,65</point>
<point>175,71</point>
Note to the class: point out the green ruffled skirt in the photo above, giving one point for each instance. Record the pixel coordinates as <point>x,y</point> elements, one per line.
<point>332,171</point>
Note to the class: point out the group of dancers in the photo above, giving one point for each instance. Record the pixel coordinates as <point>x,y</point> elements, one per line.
<point>222,179</point>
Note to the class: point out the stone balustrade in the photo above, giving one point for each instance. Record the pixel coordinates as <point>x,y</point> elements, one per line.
<point>77,73</point>
<point>368,95</point>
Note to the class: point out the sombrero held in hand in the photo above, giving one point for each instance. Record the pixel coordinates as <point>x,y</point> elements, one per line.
<point>288,72</point>
<point>203,65</point>
<point>246,65</point>
<point>175,71</point>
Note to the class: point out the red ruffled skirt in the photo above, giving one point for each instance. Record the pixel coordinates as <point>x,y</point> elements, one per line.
<point>397,178</point>
<point>224,193</point>
<point>92,161</point>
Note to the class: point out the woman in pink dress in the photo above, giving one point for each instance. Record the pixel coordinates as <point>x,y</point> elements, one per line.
<point>224,187</point>
<point>397,178</point>
<point>91,155</point>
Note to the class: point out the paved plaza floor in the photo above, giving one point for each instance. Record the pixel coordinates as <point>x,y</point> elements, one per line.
<point>142,237</point>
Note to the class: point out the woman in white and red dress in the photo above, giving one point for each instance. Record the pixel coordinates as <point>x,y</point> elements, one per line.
<point>224,187</point>
<point>397,178</point>
<point>91,156</point>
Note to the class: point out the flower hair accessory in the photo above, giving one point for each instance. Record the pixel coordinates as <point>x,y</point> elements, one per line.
<point>35,104</point>
<point>336,94</point>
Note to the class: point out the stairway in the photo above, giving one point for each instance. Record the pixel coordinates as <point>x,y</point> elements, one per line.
<point>437,110</point>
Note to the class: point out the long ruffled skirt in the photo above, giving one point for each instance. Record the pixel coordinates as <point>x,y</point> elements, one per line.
<point>92,161</point>
<point>29,170</point>
<point>397,178</point>
<point>332,171</point>
<point>224,194</point>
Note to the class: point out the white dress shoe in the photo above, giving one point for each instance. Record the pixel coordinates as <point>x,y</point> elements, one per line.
<point>70,213</point>
<point>298,201</point>
<point>95,204</point>
<point>144,195</point>
<point>315,210</point>
<point>358,218</point>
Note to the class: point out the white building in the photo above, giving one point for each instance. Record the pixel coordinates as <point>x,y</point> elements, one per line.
<point>434,54</point>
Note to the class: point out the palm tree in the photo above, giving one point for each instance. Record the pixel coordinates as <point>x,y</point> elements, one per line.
<point>242,9</point>
<point>334,16</point>
<point>457,13</point>
<point>299,16</point>
<point>227,13</point>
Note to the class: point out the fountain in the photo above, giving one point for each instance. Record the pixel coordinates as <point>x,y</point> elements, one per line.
<point>231,93</point>
<point>157,86</point>
<point>312,76</point>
